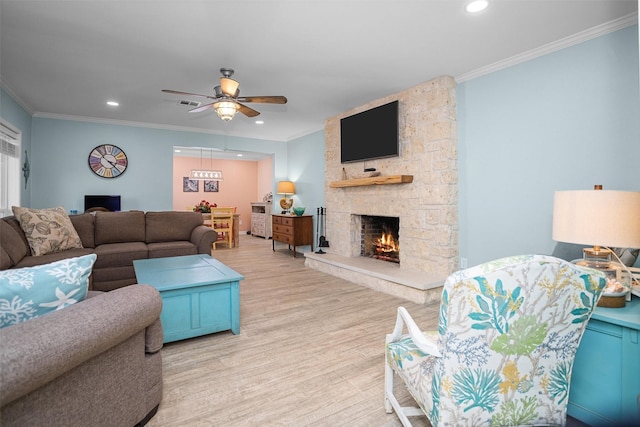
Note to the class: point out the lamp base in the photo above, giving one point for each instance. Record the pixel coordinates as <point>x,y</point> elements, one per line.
<point>612,301</point>
<point>617,287</point>
<point>286,203</point>
<point>597,257</point>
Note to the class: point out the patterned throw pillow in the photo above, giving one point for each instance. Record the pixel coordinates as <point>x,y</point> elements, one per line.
<point>47,230</point>
<point>26,293</point>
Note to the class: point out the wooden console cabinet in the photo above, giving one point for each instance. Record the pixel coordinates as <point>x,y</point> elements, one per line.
<point>605,384</point>
<point>293,230</point>
<point>260,222</point>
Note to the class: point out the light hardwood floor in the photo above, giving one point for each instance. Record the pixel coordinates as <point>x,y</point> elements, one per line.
<point>310,351</point>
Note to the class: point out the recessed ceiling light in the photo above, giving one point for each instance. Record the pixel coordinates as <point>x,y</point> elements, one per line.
<point>239,155</point>
<point>259,122</point>
<point>476,6</point>
<point>112,103</point>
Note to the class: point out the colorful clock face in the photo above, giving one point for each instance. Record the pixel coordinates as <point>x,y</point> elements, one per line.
<point>108,161</point>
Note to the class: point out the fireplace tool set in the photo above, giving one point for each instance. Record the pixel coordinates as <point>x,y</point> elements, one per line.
<point>321,224</point>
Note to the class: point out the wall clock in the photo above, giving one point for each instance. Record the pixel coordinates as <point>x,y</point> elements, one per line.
<point>108,161</point>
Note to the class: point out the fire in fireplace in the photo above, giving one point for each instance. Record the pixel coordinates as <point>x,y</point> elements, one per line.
<point>380,238</point>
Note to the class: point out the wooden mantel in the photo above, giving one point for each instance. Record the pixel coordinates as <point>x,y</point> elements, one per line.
<point>375,180</point>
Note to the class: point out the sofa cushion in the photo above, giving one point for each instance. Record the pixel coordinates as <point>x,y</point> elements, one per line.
<point>168,249</point>
<point>83,224</point>
<point>120,254</point>
<point>47,230</point>
<point>5,260</point>
<point>171,226</point>
<point>107,282</point>
<point>13,240</point>
<point>113,274</point>
<point>32,261</point>
<point>26,293</point>
<point>119,227</point>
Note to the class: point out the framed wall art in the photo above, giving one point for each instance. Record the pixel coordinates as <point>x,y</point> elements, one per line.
<point>211,186</point>
<point>190,185</point>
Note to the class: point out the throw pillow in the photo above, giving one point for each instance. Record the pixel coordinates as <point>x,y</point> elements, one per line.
<point>26,293</point>
<point>47,230</point>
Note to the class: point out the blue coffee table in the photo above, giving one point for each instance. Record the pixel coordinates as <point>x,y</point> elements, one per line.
<point>200,295</point>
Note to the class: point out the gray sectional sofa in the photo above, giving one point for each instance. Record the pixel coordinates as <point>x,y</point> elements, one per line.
<point>96,362</point>
<point>117,238</point>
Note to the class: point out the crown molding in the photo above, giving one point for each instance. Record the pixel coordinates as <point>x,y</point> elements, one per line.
<point>12,93</point>
<point>583,36</point>
<point>56,116</point>
<point>304,133</point>
<point>85,119</point>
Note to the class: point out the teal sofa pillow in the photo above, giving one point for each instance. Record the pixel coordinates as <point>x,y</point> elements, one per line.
<point>26,293</point>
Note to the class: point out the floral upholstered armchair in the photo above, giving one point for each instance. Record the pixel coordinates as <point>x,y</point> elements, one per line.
<point>503,353</point>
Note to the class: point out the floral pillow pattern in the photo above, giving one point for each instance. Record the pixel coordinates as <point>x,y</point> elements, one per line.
<point>508,332</point>
<point>47,230</point>
<point>26,293</point>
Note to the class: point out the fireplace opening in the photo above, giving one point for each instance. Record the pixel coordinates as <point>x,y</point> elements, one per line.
<point>380,238</point>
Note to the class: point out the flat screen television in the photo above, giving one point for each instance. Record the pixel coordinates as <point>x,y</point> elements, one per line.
<point>98,201</point>
<point>372,134</point>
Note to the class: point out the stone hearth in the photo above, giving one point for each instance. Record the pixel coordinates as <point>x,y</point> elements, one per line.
<point>382,276</point>
<point>427,207</point>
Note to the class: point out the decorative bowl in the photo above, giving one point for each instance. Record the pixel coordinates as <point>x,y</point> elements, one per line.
<point>299,210</point>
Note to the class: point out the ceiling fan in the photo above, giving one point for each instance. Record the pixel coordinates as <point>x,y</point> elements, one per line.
<point>226,99</point>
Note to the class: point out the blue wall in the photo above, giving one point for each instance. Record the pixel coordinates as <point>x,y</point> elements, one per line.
<point>306,169</point>
<point>62,177</point>
<point>565,121</point>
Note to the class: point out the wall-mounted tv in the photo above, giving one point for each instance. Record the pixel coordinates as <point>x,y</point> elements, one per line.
<point>97,201</point>
<point>372,134</point>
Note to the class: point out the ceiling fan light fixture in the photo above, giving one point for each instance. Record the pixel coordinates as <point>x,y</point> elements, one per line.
<point>226,109</point>
<point>229,86</point>
<point>226,101</point>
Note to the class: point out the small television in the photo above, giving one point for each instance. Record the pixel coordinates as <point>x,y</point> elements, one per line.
<point>111,203</point>
<point>372,134</point>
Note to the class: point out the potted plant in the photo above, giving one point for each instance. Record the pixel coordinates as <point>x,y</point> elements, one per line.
<point>204,207</point>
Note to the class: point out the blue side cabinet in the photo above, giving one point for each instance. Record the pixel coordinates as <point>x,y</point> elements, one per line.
<point>605,384</point>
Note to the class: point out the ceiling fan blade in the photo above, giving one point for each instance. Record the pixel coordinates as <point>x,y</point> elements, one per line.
<point>264,99</point>
<point>247,111</point>
<point>177,92</point>
<point>201,108</point>
<point>229,86</point>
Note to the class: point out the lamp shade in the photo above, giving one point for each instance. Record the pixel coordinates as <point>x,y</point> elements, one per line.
<point>286,187</point>
<point>597,217</point>
<point>229,86</point>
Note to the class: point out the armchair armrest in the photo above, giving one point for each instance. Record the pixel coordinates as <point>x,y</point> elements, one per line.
<point>37,351</point>
<point>423,343</point>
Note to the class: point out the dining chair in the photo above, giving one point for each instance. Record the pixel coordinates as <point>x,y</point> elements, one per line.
<point>222,223</point>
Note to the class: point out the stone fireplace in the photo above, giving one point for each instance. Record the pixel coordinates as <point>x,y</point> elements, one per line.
<point>425,203</point>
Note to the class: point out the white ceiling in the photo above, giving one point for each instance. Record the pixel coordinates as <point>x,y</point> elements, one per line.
<point>67,58</point>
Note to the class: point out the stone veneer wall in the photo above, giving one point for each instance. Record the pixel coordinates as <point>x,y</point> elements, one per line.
<point>427,207</point>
